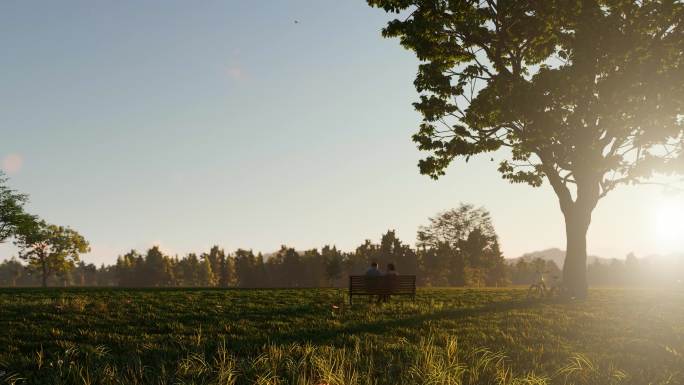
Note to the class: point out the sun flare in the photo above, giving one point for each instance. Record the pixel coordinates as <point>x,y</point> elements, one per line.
<point>669,226</point>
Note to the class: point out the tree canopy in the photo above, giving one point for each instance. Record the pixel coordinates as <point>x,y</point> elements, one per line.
<point>51,249</point>
<point>571,87</point>
<point>455,226</point>
<point>12,214</point>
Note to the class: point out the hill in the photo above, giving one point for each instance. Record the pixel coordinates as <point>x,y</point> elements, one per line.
<point>553,254</point>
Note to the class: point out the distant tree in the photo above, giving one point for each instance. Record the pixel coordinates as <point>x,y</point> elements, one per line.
<point>207,278</point>
<point>392,250</point>
<point>442,265</point>
<point>333,261</point>
<point>157,268</point>
<point>188,271</point>
<point>129,269</point>
<point>520,272</point>
<point>221,266</point>
<point>84,274</point>
<point>465,242</point>
<point>526,272</point>
<point>585,94</point>
<point>247,268</point>
<point>10,271</point>
<point>169,268</point>
<point>312,269</point>
<point>481,252</point>
<point>474,276</point>
<point>454,226</point>
<point>12,214</point>
<point>364,254</point>
<point>291,266</point>
<point>498,275</point>
<point>259,270</point>
<point>50,249</point>
<point>456,273</point>
<point>106,275</point>
<point>226,275</point>
<point>214,257</point>
<point>631,269</point>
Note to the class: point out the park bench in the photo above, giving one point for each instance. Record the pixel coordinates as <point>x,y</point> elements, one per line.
<point>382,285</point>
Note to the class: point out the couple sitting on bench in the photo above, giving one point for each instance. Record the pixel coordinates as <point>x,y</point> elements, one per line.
<point>391,271</point>
<point>373,270</point>
<point>376,283</point>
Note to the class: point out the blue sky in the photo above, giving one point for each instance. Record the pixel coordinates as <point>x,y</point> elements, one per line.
<point>188,124</point>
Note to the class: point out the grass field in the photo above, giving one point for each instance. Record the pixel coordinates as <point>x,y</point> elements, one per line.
<point>447,336</point>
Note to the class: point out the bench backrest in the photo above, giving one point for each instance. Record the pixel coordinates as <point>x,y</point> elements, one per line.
<point>387,284</point>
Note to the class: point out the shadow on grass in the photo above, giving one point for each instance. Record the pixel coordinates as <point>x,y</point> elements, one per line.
<point>319,336</point>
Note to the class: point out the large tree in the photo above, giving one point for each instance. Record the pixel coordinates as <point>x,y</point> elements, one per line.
<point>50,249</point>
<point>586,94</point>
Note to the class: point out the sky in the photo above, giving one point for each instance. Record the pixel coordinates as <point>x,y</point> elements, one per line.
<point>188,124</point>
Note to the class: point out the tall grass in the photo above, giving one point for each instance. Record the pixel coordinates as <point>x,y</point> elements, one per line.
<point>446,337</point>
<point>429,363</point>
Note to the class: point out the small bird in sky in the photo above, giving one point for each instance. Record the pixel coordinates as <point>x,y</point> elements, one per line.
<point>296,21</point>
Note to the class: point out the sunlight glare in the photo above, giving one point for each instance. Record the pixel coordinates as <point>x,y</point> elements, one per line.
<point>669,226</point>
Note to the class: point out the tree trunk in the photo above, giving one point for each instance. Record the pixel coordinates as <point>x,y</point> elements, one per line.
<point>577,223</point>
<point>45,272</point>
<point>577,215</point>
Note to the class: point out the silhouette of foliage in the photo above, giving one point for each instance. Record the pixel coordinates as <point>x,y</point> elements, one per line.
<point>12,215</point>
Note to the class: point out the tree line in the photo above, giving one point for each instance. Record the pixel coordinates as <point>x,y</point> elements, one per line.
<point>329,267</point>
<point>288,267</point>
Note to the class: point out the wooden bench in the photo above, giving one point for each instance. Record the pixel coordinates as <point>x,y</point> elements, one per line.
<point>382,285</point>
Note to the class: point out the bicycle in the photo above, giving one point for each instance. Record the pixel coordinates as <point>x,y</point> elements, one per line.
<point>537,289</point>
<point>540,290</point>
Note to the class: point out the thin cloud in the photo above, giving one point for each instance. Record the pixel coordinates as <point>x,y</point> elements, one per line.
<point>11,164</point>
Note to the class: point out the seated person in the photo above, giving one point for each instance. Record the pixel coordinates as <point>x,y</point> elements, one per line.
<point>391,281</point>
<point>373,270</point>
<point>391,270</point>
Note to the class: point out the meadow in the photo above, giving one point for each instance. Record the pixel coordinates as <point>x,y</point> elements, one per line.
<point>312,336</point>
